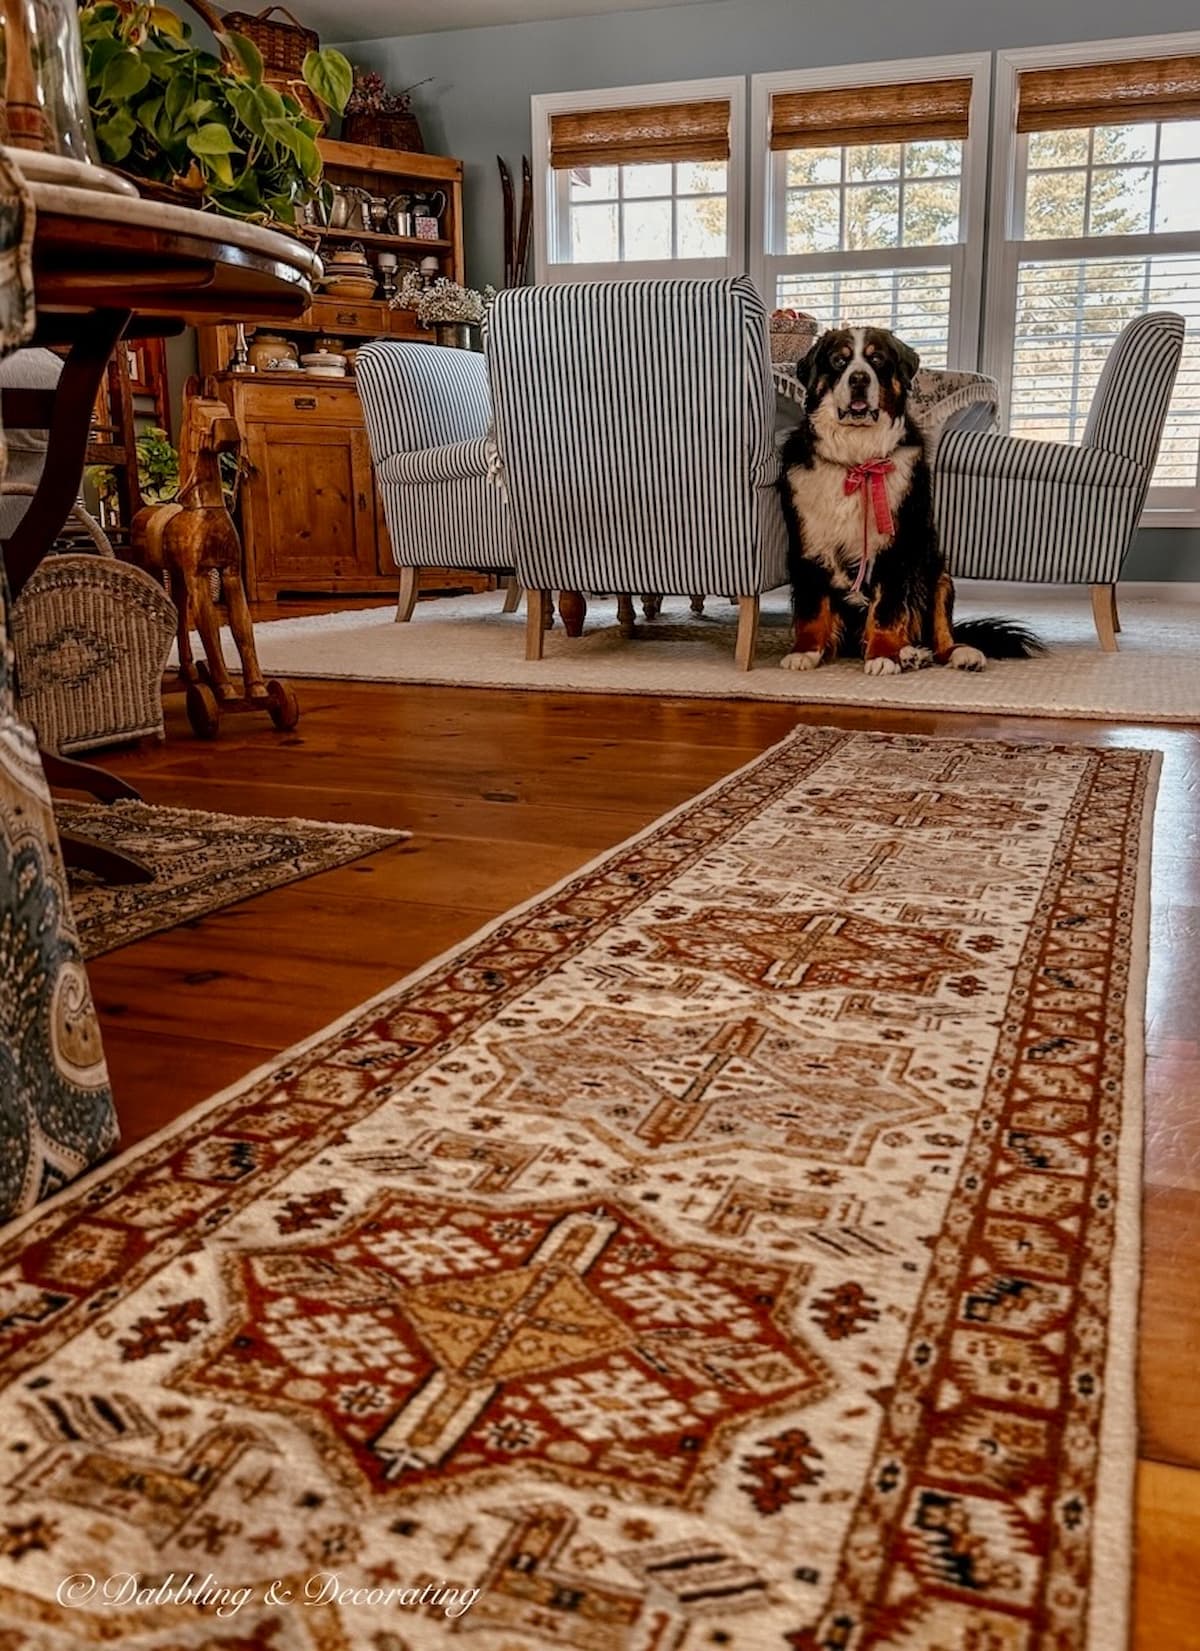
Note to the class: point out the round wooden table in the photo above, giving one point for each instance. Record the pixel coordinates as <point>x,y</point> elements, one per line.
<point>107,266</point>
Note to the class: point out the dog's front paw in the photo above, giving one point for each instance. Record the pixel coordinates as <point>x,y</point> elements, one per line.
<point>882,667</point>
<point>915,659</point>
<point>966,659</point>
<point>800,662</point>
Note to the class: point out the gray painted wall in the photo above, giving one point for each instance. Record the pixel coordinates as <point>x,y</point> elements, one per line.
<point>476,104</point>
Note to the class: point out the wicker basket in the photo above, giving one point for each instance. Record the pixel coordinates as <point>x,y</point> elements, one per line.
<point>284,46</point>
<point>383,131</point>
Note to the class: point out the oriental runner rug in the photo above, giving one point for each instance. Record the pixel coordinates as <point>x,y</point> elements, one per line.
<point>202,862</point>
<point>737,1246</point>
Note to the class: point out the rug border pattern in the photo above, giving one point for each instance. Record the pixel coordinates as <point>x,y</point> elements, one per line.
<point>1114,1153</point>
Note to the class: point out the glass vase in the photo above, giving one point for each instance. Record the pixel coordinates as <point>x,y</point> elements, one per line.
<point>45,88</point>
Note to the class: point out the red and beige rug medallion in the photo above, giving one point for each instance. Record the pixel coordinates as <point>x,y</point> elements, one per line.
<point>735,1247</point>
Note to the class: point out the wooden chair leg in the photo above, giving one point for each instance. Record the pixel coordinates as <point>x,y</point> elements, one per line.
<point>536,603</point>
<point>572,610</point>
<point>697,603</point>
<point>1103,614</point>
<point>1116,615</point>
<point>512,594</point>
<point>626,618</point>
<point>409,580</point>
<point>747,632</point>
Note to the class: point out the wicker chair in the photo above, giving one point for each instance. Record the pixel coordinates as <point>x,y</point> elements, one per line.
<point>91,635</point>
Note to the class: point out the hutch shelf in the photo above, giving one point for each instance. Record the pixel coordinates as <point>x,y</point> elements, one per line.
<point>310,513</point>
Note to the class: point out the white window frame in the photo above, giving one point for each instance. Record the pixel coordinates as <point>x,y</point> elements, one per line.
<point>552,191</point>
<point>965,259</point>
<point>1005,252</point>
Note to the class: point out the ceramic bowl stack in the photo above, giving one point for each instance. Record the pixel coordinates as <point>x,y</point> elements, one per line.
<point>323,364</point>
<point>349,275</point>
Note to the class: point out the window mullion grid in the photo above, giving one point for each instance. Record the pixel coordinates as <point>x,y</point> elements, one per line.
<point>842,204</point>
<point>1087,182</point>
<point>1154,175</point>
<point>901,181</point>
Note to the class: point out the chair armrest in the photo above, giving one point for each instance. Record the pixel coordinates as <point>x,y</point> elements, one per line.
<point>1012,458</point>
<point>436,464</point>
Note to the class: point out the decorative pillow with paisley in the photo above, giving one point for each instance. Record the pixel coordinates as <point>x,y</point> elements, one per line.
<point>56,1109</point>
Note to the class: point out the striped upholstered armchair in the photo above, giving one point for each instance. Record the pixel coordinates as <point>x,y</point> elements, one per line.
<point>634,434</point>
<point>427,415</point>
<point>1044,512</point>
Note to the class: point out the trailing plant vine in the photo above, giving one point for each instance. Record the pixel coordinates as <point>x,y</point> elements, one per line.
<point>212,129</point>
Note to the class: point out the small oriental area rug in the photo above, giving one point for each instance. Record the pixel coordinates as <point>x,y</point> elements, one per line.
<point>202,862</point>
<point>737,1246</point>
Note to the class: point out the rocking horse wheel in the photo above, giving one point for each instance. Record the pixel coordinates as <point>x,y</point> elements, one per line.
<point>203,711</point>
<point>282,705</point>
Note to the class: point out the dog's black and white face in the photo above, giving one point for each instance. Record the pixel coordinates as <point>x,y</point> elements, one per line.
<point>856,383</point>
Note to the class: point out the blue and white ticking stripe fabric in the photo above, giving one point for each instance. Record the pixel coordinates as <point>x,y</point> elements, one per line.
<point>427,412</point>
<point>1044,512</point>
<point>634,425</point>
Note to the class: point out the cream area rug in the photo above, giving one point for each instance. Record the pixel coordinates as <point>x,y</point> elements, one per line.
<point>736,1246</point>
<point>202,862</point>
<point>468,641</point>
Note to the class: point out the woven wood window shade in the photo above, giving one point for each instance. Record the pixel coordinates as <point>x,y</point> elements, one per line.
<point>871,114</point>
<point>653,132</point>
<point>1109,94</point>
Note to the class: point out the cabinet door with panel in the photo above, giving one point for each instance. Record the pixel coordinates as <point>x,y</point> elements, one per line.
<point>309,508</point>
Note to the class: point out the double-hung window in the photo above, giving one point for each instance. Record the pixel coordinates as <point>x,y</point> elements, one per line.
<point>640,181</point>
<point>1098,162</point>
<point>869,207</point>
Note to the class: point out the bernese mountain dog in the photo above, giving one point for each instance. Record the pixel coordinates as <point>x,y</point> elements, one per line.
<point>868,579</point>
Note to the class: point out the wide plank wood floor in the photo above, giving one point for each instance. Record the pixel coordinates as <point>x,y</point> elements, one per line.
<point>505,792</point>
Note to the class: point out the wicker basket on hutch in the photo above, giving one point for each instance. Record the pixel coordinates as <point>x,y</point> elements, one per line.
<point>383,131</point>
<point>284,46</point>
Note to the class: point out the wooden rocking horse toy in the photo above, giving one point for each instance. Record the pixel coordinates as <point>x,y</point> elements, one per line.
<point>187,540</point>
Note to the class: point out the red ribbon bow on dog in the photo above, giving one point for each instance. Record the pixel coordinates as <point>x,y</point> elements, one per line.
<point>869,478</point>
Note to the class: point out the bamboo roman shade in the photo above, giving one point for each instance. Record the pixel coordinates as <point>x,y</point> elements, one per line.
<point>1109,94</point>
<point>871,114</point>
<point>651,132</point>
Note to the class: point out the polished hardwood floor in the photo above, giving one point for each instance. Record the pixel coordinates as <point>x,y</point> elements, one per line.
<point>504,793</point>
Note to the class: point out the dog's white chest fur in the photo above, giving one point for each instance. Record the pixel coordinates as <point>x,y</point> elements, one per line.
<point>833,520</point>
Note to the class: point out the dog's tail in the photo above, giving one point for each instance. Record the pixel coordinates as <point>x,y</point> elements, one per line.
<point>998,638</point>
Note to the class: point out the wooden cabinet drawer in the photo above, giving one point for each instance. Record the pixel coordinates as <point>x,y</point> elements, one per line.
<point>348,316</point>
<point>300,403</point>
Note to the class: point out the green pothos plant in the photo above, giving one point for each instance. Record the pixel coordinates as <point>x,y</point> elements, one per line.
<point>209,127</point>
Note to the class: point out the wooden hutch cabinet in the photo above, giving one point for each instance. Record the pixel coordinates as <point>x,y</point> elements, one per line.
<point>310,512</point>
